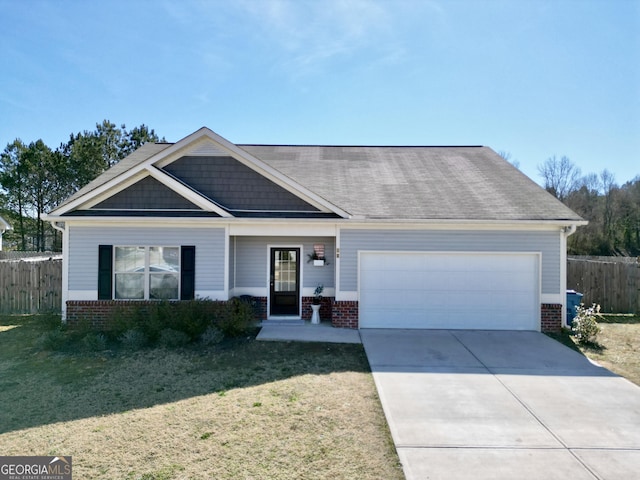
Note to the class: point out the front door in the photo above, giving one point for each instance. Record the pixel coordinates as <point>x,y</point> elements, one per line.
<point>285,281</point>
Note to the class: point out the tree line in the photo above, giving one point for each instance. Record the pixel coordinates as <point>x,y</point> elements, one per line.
<point>34,178</point>
<point>613,210</point>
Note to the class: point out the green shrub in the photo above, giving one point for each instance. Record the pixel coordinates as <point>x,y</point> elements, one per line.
<point>154,318</point>
<point>584,325</point>
<point>149,319</point>
<point>53,340</point>
<point>171,338</point>
<point>211,336</point>
<point>192,317</point>
<point>94,342</point>
<point>50,320</point>
<point>121,320</point>
<point>237,319</point>
<point>133,339</point>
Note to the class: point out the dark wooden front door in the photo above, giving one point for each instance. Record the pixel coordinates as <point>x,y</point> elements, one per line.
<point>285,281</point>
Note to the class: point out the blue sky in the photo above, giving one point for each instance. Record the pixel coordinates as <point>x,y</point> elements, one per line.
<point>534,78</point>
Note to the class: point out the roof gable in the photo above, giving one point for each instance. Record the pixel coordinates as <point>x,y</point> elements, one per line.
<point>146,194</point>
<point>235,186</point>
<point>169,163</point>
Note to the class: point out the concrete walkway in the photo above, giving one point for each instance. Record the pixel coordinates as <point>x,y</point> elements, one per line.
<point>502,405</point>
<point>307,332</point>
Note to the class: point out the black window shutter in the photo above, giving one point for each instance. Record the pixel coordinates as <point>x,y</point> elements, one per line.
<point>105,273</point>
<point>187,272</point>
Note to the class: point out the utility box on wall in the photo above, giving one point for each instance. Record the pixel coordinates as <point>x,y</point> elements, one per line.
<point>573,300</point>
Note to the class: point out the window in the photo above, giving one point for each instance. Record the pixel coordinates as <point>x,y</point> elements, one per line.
<point>142,273</point>
<point>146,272</point>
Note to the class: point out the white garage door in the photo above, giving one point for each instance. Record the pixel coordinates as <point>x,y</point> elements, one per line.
<point>449,290</point>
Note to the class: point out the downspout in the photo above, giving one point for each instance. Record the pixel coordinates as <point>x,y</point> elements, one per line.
<point>54,224</point>
<point>3,229</point>
<point>566,233</point>
<point>62,228</point>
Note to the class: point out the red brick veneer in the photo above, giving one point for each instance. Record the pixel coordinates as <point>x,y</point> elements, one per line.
<point>342,313</point>
<point>325,308</point>
<point>97,312</point>
<point>261,307</point>
<point>550,317</point>
<point>345,314</point>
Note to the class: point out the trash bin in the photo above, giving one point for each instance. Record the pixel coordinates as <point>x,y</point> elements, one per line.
<point>574,299</point>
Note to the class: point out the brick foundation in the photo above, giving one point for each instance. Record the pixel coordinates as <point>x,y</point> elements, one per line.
<point>325,308</point>
<point>260,304</point>
<point>97,313</point>
<point>344,314</point>
<point>550,317</point>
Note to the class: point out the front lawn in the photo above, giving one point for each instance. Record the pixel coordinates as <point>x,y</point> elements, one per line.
<point>239,409</point>
<point>617,346</point>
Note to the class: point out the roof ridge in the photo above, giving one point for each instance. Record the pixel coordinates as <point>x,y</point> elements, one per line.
<point>355,146</point>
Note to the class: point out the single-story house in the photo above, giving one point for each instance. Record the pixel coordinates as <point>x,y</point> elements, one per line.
<point>398,236</point>
<point>4,226</point>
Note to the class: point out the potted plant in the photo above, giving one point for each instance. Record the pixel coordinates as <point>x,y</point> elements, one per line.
<point>317,294</point>
<point>315,306</point>
<point>317,260</point>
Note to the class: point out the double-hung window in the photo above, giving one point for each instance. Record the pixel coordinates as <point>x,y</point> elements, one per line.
<point>146,273</point>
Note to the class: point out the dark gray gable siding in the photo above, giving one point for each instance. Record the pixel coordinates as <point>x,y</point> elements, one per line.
<point>146,194</point>
<point>235,186</point>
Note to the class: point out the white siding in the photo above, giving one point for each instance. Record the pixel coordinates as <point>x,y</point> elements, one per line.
<point>545,242</point>
<point>232,265</point>
<point>84,241</point>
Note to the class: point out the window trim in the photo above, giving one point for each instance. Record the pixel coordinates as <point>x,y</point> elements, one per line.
<point>106,275</point>
<point>147,273</point>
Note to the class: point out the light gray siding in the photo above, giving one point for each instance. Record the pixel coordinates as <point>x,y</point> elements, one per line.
<point>547,242</point>
<point>84,241</point>
<point>232,264</point>
<point>252,260</point>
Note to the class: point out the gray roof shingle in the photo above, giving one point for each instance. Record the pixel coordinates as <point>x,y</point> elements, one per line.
<point>404,183</point>
<point>135,158</point>
<point>439,183</point>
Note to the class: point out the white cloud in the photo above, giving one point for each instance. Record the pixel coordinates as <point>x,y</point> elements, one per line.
<point>309,34</point>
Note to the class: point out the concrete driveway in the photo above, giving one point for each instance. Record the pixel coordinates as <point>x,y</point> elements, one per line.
<point>502,405</point>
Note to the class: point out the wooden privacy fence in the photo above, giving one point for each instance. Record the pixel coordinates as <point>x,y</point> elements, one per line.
<point>611,282</point>
<point>33,286</point>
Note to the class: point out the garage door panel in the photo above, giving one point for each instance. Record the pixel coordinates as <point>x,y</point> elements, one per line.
<point>452,290</point>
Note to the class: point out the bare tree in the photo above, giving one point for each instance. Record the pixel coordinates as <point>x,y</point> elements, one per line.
<point>507,157</point>
<point>561,177</point>
<point>609,187</point>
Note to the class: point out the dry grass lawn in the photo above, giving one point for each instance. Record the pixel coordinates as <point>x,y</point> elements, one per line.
<point>617,346</point>
<point>243,409</point>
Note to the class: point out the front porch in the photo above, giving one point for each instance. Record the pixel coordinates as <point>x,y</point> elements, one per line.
<point>307,332</point>
<point>341,314</point>
<point>281,273</point>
